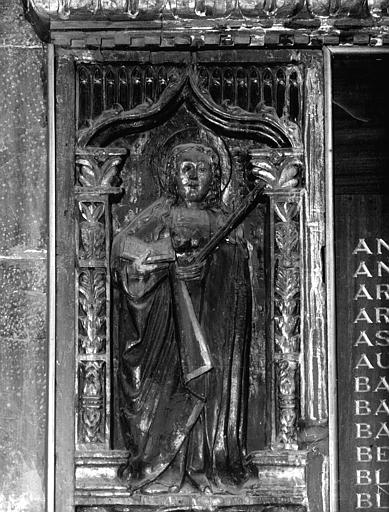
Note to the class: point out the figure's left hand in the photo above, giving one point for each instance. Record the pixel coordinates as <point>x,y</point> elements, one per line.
<point>190,272</point>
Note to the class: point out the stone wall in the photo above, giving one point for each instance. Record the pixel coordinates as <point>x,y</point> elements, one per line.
<point>23,262</point>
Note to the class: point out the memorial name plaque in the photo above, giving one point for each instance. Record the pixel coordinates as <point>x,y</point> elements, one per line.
<point>371,379</point>
<point>363,359</point>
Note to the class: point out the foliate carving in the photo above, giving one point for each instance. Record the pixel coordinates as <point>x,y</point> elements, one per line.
<point>92,311</point>
<point>92,230</point>
<point>92,402</point>
<point>280,169</point>
<point>287,261</point>
<point>286,304</point>
<point>97,177</point>
<point>282,172</point>
<point>286,374</point>
<point>99,167</point>
<point>287,279</point>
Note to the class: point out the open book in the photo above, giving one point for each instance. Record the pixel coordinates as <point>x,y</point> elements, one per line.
<point>160,251</point>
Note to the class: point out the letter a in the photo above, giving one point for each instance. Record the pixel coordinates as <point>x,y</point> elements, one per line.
<point>382,385</point>
<point>383,431</point>
<point>363,339</point>
<point>362,293</point>
<point>364,362</point>
<point>362,247</point>
<point>362,270</point>
<point>363,317</point>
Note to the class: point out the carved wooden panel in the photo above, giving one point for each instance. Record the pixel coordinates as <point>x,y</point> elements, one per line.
<point>131,117</point>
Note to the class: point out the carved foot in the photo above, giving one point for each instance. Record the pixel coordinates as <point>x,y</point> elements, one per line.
<point>156,488</point>
<point>200,482</point>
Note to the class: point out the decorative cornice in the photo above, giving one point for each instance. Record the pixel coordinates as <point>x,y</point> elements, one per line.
<point>136,24</point>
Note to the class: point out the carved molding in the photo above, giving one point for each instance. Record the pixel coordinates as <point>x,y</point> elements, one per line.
<point>97,177</point>
<point>281,170</point>
<point>313,14</point>
<point>232,508</point>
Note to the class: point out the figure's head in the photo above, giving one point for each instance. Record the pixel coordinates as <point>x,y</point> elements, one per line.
<point>196,173</point>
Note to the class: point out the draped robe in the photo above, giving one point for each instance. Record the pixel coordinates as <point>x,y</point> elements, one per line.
<point>183,355</point>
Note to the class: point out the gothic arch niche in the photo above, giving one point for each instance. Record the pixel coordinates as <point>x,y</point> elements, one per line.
<point>120,156</point>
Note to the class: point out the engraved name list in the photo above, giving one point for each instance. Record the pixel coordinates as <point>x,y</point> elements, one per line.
<point>371,373</point>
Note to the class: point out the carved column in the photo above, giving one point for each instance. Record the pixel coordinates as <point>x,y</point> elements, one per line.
<point>97,178</point>
<point>281,170</point>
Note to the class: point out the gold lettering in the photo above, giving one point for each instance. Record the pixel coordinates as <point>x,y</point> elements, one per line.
<point>384,336</point>
<point>380,364</point>
<point>362,384</point>
<point>362,270</point>
<point>363,317</point>
<point>378,498</point>
<point>382,313</point>
<point>363,430</point>
<point>364,454</point>
<point>368,453</point>
<point>363,339</point>
<point>382,453</point>
<point>381,243</point>
<point>382,289</point>
<point>364,362</point>
<point>362,407</point>
<point>364,500</point>
<point>363,477</point>
<point>362,247</point>
<point>378,478</point>
<point>382,408</point>
<point>383,431</point>
<point>383,385</point>
<point>362,293</point>
<point>382,266</point>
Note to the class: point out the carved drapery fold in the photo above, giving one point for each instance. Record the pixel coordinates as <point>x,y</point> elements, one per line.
<point>281,170</point>
<point>97,177</point>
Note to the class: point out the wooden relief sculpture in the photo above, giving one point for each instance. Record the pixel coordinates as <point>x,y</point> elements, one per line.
<point>185,332</point>
<point>190,285</point>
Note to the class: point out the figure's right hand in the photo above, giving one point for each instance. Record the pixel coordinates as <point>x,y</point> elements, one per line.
<point>140,265</point>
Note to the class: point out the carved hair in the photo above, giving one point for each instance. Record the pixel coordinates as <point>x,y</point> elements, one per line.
<point>213,196</point>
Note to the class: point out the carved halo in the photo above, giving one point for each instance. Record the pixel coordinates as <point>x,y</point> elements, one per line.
<point>159,156</point>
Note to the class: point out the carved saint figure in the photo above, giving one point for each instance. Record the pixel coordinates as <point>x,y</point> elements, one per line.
<point>184,335</point>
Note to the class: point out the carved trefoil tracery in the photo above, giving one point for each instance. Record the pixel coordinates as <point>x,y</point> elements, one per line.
<point>96,178</point>
<point>282,172</point>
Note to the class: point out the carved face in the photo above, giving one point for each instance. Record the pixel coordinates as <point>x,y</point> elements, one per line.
<point>194,174</point>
